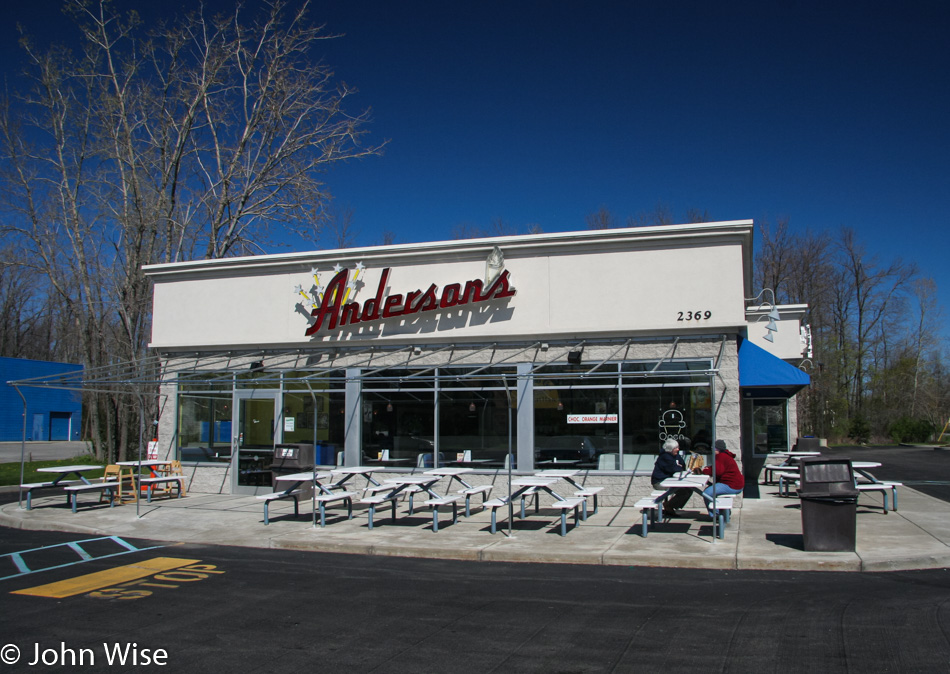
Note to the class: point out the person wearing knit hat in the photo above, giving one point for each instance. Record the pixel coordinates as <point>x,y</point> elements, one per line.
<point>729,479</point>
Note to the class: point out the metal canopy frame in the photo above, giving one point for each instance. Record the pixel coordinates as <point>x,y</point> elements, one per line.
<point>145,376</point>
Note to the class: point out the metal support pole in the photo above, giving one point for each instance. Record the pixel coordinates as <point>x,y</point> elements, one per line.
<point>136,483</point>
<point>504,379</point>
<point>22,448</point>
<point>712,403</point>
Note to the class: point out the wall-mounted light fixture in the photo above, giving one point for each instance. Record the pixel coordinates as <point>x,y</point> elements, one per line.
<point>389,407</point>
<point>471,407</point>
<point>257,366</point>
<point>771,326</point>
<point>574,357</point>
<point>773,314</point>
<point>416,350</point>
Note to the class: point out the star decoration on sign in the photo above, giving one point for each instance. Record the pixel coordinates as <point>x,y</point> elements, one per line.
<point>314,297</point>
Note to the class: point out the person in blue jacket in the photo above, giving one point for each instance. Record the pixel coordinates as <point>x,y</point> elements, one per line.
<point>667,465</point>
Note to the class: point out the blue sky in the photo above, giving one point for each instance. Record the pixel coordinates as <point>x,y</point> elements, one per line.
<point>828,114</point>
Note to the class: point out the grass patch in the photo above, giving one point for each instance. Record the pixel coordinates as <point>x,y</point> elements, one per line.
<point>10,472</point>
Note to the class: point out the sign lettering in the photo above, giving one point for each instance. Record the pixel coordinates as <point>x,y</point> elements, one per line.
<point>335,311</point>
<point>591,418</point>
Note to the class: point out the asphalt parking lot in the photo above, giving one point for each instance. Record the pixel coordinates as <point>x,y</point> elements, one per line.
<point>250,610</point>
<point>925,469</point>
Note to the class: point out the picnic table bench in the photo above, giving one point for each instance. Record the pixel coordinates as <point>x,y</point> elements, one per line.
<point>533,486</point>
<point>171,480</point>
<point>323,499</point>
<point>378,499</point>
<point>279,496</point>
<point>30,487</point>
<point>569,504</point>
<point>435,503</point>
<point>61,472</point>
<point>73,491</point>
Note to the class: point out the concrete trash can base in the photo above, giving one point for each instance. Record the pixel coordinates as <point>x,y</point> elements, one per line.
<point>829,524</point>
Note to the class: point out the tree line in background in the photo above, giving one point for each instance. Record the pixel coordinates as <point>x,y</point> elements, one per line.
<point>878,366</point>
<point>878,370</point>
<point>154,144</point>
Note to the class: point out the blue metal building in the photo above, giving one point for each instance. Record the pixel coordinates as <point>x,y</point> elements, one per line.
<point>51,414</point>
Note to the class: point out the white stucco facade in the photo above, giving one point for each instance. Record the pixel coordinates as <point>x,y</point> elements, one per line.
<point>651,317</point>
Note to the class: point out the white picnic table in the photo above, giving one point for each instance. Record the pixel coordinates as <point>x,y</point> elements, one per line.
<point>71,487</point>
<point>468,490</point>
<point>350,471</point>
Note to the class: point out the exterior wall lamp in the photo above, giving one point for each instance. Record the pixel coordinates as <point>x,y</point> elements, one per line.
<point>773,314</point>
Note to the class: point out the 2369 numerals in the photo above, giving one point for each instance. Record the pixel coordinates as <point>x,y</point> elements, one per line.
<point>694,315</point>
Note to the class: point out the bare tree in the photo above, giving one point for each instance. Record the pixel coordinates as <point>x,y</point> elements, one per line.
<point>160,145</point>
<point>466,230</point>
<point>874,290</point>
<point>602,218</point>
<point>339,228</point>
<point>871,324</point>
<point>775,255</point>
<point>924,337</point>
<point>660,215</point>
<point>497,227</point>
<point>696,215</point>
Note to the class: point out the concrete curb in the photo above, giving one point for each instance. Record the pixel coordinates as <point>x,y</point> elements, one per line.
<point>765,534</point>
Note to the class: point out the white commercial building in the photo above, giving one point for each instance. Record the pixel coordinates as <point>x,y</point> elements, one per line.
<point>585,349</point>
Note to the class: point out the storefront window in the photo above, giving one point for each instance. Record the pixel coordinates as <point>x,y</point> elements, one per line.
<point>206,381</point>
<point>314,406</point>
<point>204,427</point>
<point>582,424</point>
<point>575,425</point>
<point>667,372</point>
<point>315,417</point>
<point>400,378</point>
<point>770,425</point>
<point>257,380</point>
<point>651,414</point>
<point>473,427</point>
<point>398,427</point>
<point>479,377</point>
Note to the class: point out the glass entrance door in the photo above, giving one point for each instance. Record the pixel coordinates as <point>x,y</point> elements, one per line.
<point>256,431</point>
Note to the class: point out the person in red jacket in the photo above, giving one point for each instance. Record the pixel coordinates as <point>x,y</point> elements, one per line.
<point>729,478</point>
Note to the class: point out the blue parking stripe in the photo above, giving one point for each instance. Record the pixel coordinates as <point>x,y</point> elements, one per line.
<point>23,569</point>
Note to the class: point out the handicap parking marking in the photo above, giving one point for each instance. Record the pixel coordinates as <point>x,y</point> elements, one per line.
<point>35,560</point>
<point>99,580</point>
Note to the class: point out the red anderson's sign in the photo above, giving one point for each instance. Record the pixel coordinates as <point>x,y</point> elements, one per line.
<point>333,311</point>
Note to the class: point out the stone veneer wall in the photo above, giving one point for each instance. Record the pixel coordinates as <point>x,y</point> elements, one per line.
<point>728,400</point>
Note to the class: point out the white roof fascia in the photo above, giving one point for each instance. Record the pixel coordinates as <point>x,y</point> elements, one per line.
<point>513,246</point>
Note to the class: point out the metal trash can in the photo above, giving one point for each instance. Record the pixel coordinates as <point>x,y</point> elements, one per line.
<point>291,458</point>
<point>829,502</point>
<point>807,444</point>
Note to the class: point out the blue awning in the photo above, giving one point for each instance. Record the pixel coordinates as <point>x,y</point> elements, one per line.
<point>762,374</point>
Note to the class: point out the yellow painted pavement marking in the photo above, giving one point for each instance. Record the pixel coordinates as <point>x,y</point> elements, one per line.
<point>101,579</point>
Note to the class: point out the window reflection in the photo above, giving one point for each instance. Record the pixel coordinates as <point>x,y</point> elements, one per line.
<point>473,427</point>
